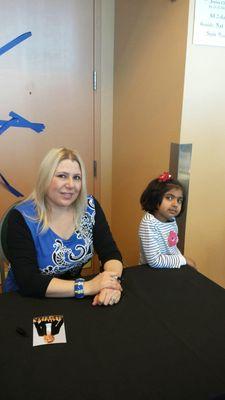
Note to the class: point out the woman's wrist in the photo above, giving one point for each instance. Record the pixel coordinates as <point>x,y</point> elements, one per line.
<point>114,266</point>
<point>87,288</point>
<point>106,279</point>
<point>79,288</point>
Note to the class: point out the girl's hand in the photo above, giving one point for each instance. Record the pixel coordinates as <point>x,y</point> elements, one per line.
<point>103,280</point>
<point>107,297</point>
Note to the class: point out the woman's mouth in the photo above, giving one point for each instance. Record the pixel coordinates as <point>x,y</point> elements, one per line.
<point>67,195</point>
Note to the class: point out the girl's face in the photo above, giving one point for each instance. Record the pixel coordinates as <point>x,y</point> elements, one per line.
<point>66,184</point>
<point>170,206</point>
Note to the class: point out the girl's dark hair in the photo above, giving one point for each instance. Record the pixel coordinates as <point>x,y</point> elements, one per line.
<point>153,195</point>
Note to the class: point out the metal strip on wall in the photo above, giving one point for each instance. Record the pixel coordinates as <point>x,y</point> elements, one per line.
<point>180,165</point>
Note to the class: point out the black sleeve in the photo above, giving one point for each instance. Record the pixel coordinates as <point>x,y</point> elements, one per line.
<point>23,258</point>
<point>104,243</point>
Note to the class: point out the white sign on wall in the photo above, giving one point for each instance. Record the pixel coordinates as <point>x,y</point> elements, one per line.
<point>209,22</point>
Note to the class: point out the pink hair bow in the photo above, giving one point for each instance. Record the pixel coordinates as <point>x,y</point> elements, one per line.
<point>166,176</point>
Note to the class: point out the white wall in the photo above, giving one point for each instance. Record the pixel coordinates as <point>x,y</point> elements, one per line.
<point>203,125</point>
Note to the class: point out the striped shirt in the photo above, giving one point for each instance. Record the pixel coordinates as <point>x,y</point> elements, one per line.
<point>158,243</point>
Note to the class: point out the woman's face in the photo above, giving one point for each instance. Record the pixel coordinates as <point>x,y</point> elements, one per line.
<point>65,185</point>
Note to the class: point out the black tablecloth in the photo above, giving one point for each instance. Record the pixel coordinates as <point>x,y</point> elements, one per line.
<point>164,340</point>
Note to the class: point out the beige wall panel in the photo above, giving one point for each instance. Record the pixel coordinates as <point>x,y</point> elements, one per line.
<point>150,44</point>
<point>203,125</point>
<point>47,78</point>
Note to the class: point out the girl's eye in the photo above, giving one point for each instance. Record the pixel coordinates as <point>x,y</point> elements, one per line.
<point>180,201</point>
<point>77,177</point>
<point>168,197</point>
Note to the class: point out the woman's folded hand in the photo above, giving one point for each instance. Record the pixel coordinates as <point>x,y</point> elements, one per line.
<point>103,280</point>
<point>107,297</point>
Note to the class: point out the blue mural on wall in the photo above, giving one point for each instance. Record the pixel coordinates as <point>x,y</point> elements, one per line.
<point>8,46</point>
<point>20,122</point>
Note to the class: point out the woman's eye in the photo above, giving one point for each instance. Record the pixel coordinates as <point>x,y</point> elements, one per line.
<point>77,177</point>
<point>61,176</point>
<point>169,198</point>
<point>180,201</point>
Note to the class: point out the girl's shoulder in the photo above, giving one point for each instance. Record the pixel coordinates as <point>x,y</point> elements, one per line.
<point>148,220</point>
<point>147,217</point>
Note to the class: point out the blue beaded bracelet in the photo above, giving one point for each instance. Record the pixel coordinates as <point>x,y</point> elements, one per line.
<point>79,288</point>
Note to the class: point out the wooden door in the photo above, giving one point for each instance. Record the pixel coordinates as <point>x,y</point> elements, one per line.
<point>46,78</point>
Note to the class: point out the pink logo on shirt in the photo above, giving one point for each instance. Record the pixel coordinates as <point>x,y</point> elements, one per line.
<point>172,239</point>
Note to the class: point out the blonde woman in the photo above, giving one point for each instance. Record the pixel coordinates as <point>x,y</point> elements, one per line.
<point>54,233</point>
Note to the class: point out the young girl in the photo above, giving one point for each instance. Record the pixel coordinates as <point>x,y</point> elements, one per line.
<point>163,200</point>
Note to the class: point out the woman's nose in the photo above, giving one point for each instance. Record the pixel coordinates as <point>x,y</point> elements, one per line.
<point>70,181</point>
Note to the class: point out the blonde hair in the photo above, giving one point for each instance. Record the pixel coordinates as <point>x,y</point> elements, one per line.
<point>46,172</point>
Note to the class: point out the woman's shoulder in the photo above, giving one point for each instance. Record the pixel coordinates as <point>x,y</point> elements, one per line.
<point>90,198</point>
<point>25,205</point>
<point>28,209</point>
<point>93,203</point>
<point>90,203</point>
<point>16,220</point>
<point>94,208</point>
